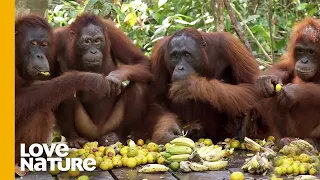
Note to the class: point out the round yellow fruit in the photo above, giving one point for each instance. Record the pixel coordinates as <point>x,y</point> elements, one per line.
<point>98,160</point>
<point>302,169</point>
<point>237,176</point>
<point>174,166</point>
<point>104,165</point>
<point>101,149</point>
<point>271,138</point>
<point>81,151</point>
<point>98,154</point>
<point>312,171</point>
<point>144,160</point>
<point>83,177</point>
<point>278,171</point>
<point>138,160</point>
<point>235,144</point>
<point>124,161</point>
<point>117,162</point>
<point>110,152</point>
<point>140,142</point>
<point>161,160</point>
<point>278,87</point>
<point>200,140</point>
<point>242,146</point>
<point>55,171</point>
<point>74,173</point>
<point>132,151</point>
<point>304,158</point>
<point>153,147</point>
<point>151,158</point>
<point>131,162</point>
<point>91,156</point>
<point>208,142</point>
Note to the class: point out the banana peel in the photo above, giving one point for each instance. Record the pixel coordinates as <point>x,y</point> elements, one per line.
<point>152,168</point>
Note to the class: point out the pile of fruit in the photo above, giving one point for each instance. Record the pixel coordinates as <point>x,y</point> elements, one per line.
<point>298,157</point>
<point>185,155</point>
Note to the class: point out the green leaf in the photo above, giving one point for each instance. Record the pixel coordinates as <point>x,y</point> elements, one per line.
<point>106,8</point>
<point>96,11</point>
<point>181,21</point>
<point>115,8</point>
<point>302,6</point>
<point>90,4</point>
<point>161,2</point>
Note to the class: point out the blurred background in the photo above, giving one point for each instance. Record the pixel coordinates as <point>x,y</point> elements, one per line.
<point>264,26</point>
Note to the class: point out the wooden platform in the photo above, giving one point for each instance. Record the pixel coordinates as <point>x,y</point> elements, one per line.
<point>234,164</point>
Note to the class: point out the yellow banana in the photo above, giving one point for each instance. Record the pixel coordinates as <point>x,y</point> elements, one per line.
<point>202,149</point>
<point>46,73</point>
<point>198,167</point>
<point>215,165</point>
<point>251,145</point>
<point>206,151</point>
<point>179,150</point>
<point>150,168</point>
<point>183,141</point>
<point>185,166</point>
<point>215,155</point>
<point>179,158</point>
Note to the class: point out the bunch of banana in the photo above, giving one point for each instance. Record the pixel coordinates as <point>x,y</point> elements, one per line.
<point>198,167</point>
<point>183,141</point>
<point>180,150</point>
<point>185,166</point>
<point>257,164</point>
<point>217,165</point>
<point>253,146</point>
<point>298,147</point>
<point>150,168</point>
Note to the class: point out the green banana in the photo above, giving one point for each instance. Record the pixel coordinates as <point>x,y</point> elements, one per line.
<point>213,166</point>
<point>165,154</point>
<point>198,167</point>
<point>179,150</point>
<point>179,158</point>
<point>183,141</point>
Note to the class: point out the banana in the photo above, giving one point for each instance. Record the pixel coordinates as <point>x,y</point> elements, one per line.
<point>150,168</point>
<point>212,166</point>
<point>183,141</point>
<point>179,158</point>
<point>215,155</point>
<point>304,146</point>
<point>305,177</point>
<point>165,154</point>
<point>205,152</point>
<point>251,145</point>
<point>198,167</point>
<point>185,166</point>
<point>179,150</point>
<point>202,149</point>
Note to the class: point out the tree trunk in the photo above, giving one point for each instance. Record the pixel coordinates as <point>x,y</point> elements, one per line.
<point>32,6</point>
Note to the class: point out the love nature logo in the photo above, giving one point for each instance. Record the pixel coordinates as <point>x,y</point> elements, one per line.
<point>34,159</point>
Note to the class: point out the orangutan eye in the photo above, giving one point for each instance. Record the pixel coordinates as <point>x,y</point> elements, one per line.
<point>299,51</point>
<point>97,41</point>
<point>88,41</point>
<point>45,44</point>
<point>34,43</point>
<point>311,52</point>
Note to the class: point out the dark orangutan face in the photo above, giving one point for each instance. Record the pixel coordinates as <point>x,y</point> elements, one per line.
<point>90,45</point>
<point>185,57</point>
<point>35,49</point>
<point>307,56</point>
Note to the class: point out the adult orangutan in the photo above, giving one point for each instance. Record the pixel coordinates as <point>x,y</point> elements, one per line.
<point>96,45</point>
<point>294,111</point>
<point>203,79</point>
<point>36,94</point>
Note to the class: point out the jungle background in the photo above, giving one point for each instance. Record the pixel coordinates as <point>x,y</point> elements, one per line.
<point>264,26</point>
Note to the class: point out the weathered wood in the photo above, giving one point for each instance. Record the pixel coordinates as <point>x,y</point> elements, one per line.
<point>217,175</point>
<point>36,176</point>
<point>94,175</point>
<point>132,174</point>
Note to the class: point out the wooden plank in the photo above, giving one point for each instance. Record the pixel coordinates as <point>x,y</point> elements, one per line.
<point>217,175</point>
<point>36,176</point>
<point>94,175</point>
<point>132,174</point>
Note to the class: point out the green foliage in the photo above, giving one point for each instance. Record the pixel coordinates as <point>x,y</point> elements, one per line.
<point>146,21</point>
